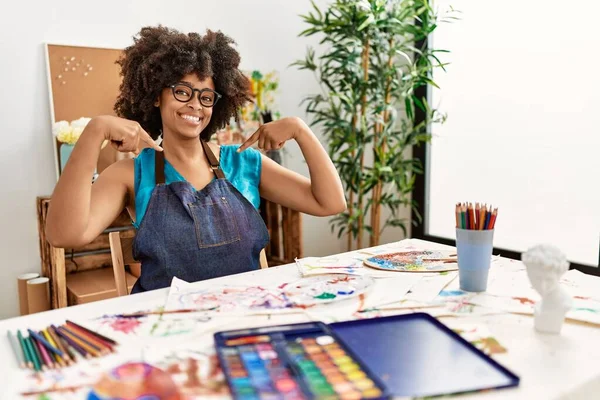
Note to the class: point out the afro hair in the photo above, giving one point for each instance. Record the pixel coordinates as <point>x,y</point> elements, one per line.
<point>161,56</point>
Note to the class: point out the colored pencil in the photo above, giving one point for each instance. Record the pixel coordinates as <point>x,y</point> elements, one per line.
<point>30,353</point>
<point>85,341</point>
<point>36,350</point>
<point>68,355</point>
<point>481,217</point>
<point>493,218</point>
<point>44,353</point>
<point>487,220</point>
<point>57,359</point>
<point>55,347</point>
<point>101,344</point>
<point>93,333</point>
<point>28,359</point>
<point>40,349</point>
<point>34,354</point>
<point>16,349</point>
<point>475,216</point>
<point>471,217</point>
<point>89,349</point>
<point>75,346</point>
<point>457,214</point>
<point>44,342</point>
<point>51,355</point>
<point>73,354</point>
<point>78,351</point>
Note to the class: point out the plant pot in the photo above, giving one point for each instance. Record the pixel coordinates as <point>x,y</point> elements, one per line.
<point>65,153</point>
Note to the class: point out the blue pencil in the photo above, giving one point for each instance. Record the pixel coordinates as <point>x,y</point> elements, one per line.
<point>487,220</point>
<point>45,343</point>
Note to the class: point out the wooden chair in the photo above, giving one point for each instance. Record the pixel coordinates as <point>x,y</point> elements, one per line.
<point>121,251</point>
<point>285,231</point>
<point>68,268</point>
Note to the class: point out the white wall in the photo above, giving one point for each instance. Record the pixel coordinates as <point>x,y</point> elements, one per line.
<point>521,94</point>
<point>266,33</point>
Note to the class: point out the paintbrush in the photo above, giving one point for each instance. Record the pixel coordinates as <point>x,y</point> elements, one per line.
<point>55,390</point>
<point>451,257</point>
<point>290,310</point>
<point>145,313</point>
<point>384,308</point>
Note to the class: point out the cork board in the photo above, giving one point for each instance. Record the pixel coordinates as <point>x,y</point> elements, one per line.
<point>83,82</point>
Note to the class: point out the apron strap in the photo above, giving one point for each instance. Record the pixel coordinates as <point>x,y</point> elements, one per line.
<point>159,167</point>
<point>212,160</point>
<point>159,163</point>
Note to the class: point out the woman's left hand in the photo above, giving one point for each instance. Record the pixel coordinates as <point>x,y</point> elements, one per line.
<point>273,135</point>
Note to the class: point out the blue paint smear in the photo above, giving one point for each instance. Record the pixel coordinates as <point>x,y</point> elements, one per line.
<point>449,293</point>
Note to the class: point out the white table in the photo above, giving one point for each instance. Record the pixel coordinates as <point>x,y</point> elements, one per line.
<point>566,366</point>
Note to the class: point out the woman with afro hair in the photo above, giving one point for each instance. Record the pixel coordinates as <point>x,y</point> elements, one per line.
<point>194,203</point>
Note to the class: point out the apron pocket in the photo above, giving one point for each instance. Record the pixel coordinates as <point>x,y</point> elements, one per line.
<point>215,224</point>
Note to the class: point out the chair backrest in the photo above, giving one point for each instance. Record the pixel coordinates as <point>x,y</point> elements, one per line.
<point>285,231</point>
<point>263,259</point>
<point>121,245</point>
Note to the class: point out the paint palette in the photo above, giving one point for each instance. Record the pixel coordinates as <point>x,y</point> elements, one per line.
<point>299,361</point>
<point>326,289</point>
<point>415,261</point>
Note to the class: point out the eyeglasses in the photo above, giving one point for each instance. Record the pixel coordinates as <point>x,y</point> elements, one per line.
<point>184,93</point>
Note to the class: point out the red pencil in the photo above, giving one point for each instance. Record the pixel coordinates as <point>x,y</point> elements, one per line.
<point>471,217</point>
<point>493,218</point>
<point>104,338</point>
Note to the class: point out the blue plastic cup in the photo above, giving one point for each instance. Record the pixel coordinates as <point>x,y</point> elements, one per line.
<point>474,251</point>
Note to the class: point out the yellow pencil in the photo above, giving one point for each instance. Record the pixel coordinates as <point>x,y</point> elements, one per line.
<point>51,341</point>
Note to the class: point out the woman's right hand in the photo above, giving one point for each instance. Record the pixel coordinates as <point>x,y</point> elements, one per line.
<point>123,134</point>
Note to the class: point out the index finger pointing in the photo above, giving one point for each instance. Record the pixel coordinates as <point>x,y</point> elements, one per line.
<point>146,138</point>
<point>252,139</point>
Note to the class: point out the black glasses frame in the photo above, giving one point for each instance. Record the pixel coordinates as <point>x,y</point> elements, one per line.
<point>200,91</point>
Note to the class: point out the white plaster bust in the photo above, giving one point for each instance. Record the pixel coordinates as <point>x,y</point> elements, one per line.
<point>545,265</point>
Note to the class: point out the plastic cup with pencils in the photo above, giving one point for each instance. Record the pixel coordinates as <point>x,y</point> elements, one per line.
<point>474,244</point>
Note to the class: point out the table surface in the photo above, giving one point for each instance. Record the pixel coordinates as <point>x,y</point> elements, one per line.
<point>565,366</point>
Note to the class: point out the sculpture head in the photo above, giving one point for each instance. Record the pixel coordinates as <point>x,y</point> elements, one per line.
<point>545,265</point>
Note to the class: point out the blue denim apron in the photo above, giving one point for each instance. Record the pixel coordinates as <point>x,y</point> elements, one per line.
<point>196,235</point>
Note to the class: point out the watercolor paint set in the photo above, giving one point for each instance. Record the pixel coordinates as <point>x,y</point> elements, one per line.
<point>412,355</point>
<point>298,361</point>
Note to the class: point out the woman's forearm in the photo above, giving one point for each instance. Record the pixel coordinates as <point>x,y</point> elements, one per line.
<point>326,185</point>
<point>69,210</point>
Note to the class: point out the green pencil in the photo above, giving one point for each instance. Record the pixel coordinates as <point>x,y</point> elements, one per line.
<point>34,353</point>
<point>28,359</point>
<point>16,349</point>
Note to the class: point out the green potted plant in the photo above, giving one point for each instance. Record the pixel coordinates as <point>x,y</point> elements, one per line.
<point>372,62</point>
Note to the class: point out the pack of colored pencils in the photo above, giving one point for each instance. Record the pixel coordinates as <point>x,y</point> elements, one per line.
<point>58,346</point>
<point>478,217</point>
